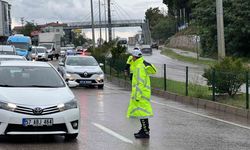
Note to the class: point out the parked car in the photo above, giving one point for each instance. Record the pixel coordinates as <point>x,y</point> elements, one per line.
<point>35,100</point>
<point>7,50</point>
<point>12,57</point>
<point>42,53</point>
<point>146,49</point>
<point>82,69</point>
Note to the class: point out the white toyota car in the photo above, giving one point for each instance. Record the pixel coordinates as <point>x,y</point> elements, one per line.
<point>35,100</point>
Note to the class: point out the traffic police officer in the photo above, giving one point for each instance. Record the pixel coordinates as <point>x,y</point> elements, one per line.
<point>139,105</point>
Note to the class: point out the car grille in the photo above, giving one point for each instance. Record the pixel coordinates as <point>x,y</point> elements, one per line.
<point>21,128</point>
<point>84,75</point>
<point>32,111</point>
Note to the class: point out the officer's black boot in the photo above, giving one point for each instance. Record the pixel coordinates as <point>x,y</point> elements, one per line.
<point>144,132</point>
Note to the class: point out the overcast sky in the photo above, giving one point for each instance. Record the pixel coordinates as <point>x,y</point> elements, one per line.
<point>44,11</point>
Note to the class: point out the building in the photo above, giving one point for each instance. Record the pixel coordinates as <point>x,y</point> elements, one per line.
<point>53,27</point>
<point>5,20</point>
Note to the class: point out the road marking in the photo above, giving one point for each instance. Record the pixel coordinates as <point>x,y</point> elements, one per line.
<point>201,115</point>
<point>122,138</point>
<point>107,86</point>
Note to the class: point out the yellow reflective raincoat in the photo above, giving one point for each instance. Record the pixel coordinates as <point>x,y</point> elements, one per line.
<point>139,105</point>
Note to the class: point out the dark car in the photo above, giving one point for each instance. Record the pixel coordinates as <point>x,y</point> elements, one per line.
<point>155,45</point>
<point>147,51</point>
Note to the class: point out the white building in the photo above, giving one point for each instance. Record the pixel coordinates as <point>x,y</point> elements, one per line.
<point>5,19</point>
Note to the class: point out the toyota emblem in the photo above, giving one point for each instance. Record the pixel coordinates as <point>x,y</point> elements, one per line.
<point>37,111</point>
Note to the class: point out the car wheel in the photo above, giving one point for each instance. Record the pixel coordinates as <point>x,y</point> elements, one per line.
<point>70,137</point>
<point>100,86</point>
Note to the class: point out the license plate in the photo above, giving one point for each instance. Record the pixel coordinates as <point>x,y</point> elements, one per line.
<point>85,82</point>
<point>37,122</point>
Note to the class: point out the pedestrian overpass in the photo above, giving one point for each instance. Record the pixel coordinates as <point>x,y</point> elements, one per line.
<point>114,24</point>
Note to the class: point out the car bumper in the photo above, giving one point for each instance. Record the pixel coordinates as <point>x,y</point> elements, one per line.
<point>41,57</point>
<point>94,80</point>
<point>11,123</point>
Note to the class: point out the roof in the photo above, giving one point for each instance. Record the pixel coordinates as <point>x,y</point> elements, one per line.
<point>25,63</point>
<point>19,39</point>
<point>76,56</point>
<point>11,56</point>
<point>7,48</point>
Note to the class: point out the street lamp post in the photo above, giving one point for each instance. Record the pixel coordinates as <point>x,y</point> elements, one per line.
<point>93,27</point>
<point>220,30</point>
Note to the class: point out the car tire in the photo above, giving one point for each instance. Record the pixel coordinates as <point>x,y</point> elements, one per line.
<point>100,86</point>
<point>70,137</point>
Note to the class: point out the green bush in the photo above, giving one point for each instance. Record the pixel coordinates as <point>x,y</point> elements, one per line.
<point>227,75</point>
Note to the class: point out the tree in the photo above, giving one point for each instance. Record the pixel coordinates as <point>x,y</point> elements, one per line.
<point>236,26</point>
<point>174,7</point>
<point>228,76</point>
<point>153,15</point>
<point>28,28</point>
<point>164,29</point>
<point>79,40</point>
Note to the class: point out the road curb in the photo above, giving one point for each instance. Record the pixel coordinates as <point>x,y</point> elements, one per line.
<point>200,103</point>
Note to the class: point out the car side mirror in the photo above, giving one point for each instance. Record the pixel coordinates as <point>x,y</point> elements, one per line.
<point>101,64</point>
<point>72,84</point>
<point>61,64</point>
<point>30,49</point>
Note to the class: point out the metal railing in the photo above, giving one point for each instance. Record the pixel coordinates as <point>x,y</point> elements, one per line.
<point>188,81</point>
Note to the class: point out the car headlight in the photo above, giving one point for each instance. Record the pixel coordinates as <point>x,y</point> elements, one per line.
<point>69,75</point>
<point>101,76</point>
<point>7,106</point>
<point>67,106</point>
<point>99,73</point>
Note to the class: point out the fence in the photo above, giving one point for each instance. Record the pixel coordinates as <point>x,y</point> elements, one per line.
<point>189,81</point>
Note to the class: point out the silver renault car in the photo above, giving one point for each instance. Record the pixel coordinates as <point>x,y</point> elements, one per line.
<point>84,70</point>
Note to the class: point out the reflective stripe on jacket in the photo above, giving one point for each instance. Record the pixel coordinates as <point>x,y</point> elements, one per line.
<point>140,106</point>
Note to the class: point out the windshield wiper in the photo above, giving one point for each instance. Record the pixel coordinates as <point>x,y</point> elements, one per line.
<point>42,86</point>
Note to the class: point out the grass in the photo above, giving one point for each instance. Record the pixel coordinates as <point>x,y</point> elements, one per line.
<point>174,55</point>
<point>237,101</point>
<point>198,91</point>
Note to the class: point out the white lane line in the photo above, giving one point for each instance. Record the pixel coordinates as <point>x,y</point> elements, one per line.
<point>201,115</point>
<point>122,138</point>
<point>107,86</point>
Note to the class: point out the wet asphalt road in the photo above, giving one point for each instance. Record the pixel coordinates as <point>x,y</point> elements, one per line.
<point>175,126</point>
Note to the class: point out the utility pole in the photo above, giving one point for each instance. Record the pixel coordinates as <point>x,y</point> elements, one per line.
<point>220,30</point>
<point>109,22</point>
<point>93,26</point>
<point>22,21</point>
<point>100,23</point>
<point>105,18</point>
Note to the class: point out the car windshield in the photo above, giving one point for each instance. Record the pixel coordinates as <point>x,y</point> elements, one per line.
<point>23,46</point>
<point>81,61</point>
<point>23,76</point>
<point>48,46</point>
<point>33,50</point>
<point>41,50</point>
